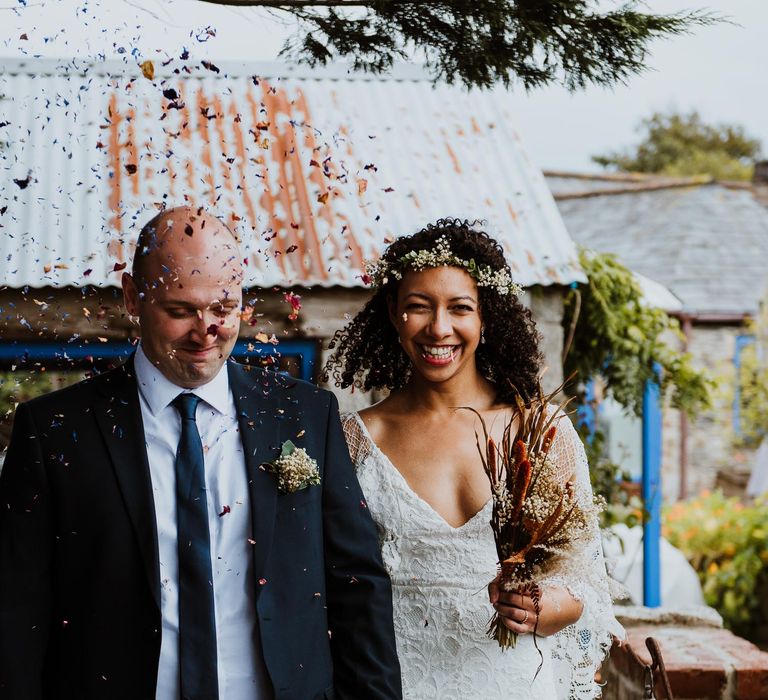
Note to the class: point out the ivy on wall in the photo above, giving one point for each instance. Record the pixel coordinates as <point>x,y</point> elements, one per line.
<point>612,334</point>
<point>618,337</point>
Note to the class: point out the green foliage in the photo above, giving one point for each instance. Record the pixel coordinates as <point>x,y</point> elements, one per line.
<point>681,145</point>
<point>727,543</point>
<point>16,387</point>
<point>619,338</point>
<point>752,381</point>
<point>482,42</point>
<point>22,385</point>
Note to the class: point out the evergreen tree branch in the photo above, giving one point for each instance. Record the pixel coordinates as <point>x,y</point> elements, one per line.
<point>482,42</point>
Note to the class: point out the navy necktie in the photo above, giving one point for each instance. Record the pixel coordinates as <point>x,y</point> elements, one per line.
<point>197,623</point>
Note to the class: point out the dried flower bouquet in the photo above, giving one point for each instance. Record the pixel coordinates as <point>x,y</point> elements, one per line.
<point>536,514</point>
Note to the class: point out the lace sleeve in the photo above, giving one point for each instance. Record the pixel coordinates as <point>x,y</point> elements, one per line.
<point>579,649</point>
<point>358,443</point>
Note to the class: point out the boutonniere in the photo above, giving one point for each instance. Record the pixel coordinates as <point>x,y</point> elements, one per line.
<point>295,469</point>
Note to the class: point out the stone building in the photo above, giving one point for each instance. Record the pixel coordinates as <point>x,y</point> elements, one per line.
<point>707,243</point>
<point>315,170</point>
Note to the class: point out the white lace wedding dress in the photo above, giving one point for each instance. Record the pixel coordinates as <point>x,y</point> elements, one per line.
<point>439,578</point>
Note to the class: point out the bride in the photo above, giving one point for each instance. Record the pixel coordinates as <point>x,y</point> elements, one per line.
<point>443,330</point>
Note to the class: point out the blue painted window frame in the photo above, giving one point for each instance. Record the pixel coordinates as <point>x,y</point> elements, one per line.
<point>82,352</point>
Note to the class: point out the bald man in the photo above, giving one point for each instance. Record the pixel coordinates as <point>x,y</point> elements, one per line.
<point>146,547</point>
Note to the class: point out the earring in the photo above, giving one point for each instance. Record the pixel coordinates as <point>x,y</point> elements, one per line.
<point>482,335</point>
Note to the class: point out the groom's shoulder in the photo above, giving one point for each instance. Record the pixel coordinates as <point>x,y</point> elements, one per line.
<point>278,385</point>
<point>81,392</point>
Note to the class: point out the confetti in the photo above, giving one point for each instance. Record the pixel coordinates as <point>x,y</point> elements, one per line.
<point>295,301</point>
<point>148,70</point>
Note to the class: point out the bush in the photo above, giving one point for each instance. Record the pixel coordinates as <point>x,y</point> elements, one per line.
<point>727,543</point>
<point>22,385</point>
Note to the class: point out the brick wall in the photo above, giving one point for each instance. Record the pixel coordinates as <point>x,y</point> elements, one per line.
<point>702,663</point>
<point>709,433</point>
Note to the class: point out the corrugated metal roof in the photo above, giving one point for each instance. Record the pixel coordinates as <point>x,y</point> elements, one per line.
<point>315,172</point>
<point>708,244</point>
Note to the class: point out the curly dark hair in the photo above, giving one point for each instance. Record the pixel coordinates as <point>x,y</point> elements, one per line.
<point>367,354</point>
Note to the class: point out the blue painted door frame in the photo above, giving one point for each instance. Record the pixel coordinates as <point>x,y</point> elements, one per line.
<point>650,482</point>
<point>651,491</point>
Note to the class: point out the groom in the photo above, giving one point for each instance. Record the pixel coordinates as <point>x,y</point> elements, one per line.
<point>150,546</point>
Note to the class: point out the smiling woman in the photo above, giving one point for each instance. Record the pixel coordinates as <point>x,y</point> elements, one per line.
<point>445,331</point>
<point>369,352</point>
<point>436,314</point>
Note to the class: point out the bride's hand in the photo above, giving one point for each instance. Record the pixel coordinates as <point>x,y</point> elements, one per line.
<point>557,609</point>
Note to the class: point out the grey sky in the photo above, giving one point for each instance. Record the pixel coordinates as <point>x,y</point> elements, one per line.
<point>722,71</point>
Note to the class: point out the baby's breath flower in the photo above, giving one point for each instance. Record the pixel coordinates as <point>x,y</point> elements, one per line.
<point>441,256</point>
<point>295,469</point>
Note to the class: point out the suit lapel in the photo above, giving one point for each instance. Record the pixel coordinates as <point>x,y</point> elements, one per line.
<point>256,396</point>
<point>119,417</point>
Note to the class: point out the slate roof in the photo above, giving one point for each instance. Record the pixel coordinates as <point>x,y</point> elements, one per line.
<point>707,243</point>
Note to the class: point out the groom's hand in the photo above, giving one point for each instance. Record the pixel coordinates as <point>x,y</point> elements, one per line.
<point>516,610</point>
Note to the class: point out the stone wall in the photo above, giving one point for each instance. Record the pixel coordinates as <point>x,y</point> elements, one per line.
<point>94,315</point>
<point>710,433</point>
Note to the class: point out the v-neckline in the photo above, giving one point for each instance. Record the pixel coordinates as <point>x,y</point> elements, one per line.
<point>410,490</point>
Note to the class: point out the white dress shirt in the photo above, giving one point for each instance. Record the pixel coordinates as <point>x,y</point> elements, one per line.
<point>241,670</point>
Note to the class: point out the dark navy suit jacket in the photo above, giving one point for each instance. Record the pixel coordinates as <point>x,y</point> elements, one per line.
<point>79,571</point>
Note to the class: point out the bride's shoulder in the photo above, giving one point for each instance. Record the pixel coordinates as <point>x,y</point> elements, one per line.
<point>361,428</point>
<point>380,414</point>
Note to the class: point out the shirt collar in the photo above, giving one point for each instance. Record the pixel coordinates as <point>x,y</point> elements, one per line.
<point>158,391</point>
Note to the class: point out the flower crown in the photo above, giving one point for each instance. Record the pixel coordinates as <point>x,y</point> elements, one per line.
<point>377,273</point>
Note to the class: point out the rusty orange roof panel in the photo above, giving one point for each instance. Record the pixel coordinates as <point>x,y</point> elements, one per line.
<point>315,174</point>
